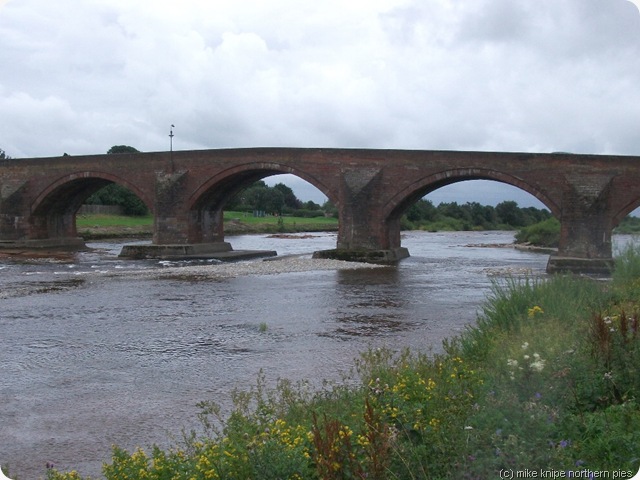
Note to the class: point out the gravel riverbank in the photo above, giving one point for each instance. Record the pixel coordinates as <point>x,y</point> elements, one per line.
<point>265,267</point>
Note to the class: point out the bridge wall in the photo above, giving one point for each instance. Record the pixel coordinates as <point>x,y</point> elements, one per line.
<point>187,191</point>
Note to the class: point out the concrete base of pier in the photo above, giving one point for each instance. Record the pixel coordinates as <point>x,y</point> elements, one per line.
<point>219,251</point>
<point>588,266</point>
<point>49,244</point>
<point>368,256</point>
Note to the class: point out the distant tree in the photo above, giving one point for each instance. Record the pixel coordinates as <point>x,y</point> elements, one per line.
<point>421,210</point>
<point>115,194</point>
<point>482,215</point>
<point>329,208</point>
<point>3,155</point>
<point>290,199</point>
<point>262,198</point>
<point>122,149</point>
<point>453,210</point>
<point>311,205</point>
<point>509,213</point>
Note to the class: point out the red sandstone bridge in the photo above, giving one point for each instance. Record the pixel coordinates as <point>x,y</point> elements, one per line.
<point>187,191</point>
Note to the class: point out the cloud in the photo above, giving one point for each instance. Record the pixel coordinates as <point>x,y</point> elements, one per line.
<point>432,74</point>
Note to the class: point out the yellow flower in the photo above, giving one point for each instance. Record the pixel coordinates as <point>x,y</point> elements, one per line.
<point>536,310</point>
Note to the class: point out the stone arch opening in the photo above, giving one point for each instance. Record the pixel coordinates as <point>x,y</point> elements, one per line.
<point>402,201</point>
<point>632,208</point>
<point>207,204</point>
<point>53,213</point>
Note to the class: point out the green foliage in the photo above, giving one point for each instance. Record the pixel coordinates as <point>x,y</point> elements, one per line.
<point>122,149</point>
<point>543,234</point>
<point>451,216</point>
<point>289,198</point>
<point>628,225</point>
<point>114,194</point>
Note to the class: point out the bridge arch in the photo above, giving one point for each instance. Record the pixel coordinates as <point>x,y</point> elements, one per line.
<point>406,197</point>
<point>53,210</point>
<point>620,215</point>
<point>206,203</point>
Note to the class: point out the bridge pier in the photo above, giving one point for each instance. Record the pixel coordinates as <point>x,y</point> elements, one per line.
<point>584,247</point>
<point>364,234</point>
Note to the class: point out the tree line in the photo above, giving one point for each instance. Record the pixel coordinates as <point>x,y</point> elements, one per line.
<point>424,215</point>
<point>262,199</point>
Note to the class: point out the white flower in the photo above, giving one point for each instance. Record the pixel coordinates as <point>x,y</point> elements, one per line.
<point>526,357</point>
<point>525,345</point>
<point>537,366</point>
<point>512,363</point>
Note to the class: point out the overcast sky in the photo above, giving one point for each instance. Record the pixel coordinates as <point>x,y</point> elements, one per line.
<point>79,76</point>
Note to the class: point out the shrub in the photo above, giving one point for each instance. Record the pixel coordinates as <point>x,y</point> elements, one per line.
<point>543,234</point>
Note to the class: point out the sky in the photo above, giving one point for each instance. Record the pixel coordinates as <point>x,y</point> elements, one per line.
<point>79,76</point>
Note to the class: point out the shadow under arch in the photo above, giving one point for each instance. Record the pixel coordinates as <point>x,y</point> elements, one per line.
<point>399,204</point>
<point>53,210</point>
<point>207,202</point>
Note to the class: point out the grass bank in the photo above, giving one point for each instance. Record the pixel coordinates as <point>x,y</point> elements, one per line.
<point>546,380</point>
<point>235,223</point>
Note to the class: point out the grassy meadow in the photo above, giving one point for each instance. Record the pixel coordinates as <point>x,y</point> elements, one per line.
<point>546,380</point>
<point>105,226</point>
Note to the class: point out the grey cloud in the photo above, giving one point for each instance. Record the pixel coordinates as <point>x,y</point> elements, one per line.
<point>489,74</point>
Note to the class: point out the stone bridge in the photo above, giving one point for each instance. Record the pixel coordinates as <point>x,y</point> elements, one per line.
<point>187,191</point>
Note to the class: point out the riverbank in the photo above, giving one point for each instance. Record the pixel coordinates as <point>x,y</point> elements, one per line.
<point>545,381</point>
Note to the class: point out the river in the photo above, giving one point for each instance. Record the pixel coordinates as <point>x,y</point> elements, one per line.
<point>92,356</point>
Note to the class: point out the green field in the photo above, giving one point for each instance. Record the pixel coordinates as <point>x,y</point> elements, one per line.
<point>89,221</point>
<point>96,226</point>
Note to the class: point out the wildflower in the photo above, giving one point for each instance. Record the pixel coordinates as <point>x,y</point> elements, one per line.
<point>536,310</point>
<point>525,345</point>
<point>608,376</point>
<point>537,366</point>
<point>512,363</point>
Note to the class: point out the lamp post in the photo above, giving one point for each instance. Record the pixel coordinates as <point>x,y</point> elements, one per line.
<point>171,147</point>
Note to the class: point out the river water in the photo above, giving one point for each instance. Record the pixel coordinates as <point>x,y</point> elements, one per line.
<point>89,359</point>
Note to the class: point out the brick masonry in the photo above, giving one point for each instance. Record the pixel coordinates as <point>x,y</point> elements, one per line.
<point>187,190</point>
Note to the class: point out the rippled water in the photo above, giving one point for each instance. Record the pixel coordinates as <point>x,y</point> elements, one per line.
<point>90,360</point>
